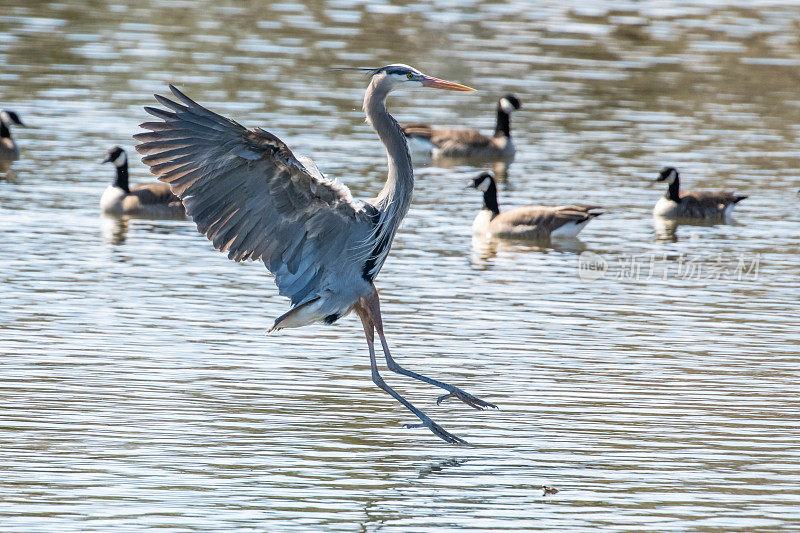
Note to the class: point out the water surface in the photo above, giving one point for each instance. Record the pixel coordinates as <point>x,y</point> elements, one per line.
<point>140,393</point>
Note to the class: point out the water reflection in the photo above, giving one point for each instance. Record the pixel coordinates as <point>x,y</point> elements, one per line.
<point>5,170</point>
<point>486,247</point>
<point>499,168</point>
<point>666,229</point>
<point>440,466</point>
<point>114,228</point>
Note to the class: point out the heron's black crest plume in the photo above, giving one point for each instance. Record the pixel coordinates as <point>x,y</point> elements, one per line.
<point>368,70</point>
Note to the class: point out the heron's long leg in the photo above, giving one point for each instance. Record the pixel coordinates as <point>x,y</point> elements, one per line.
<point>378,380</point>
<point>373,307</point>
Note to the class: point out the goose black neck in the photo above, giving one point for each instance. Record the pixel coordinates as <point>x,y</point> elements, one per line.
<point>121,180</point>
<point>490,199</point>
<point>503,126</point>
<point>673,192</point>
<point>5,133</point>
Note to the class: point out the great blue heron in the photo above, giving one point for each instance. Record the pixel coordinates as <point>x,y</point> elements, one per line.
<point>528,222</point>
<point>693,204</point>
<point>9,149</point>
<point>250,195</point>
<point>149,200</point>
<point>446,143</point>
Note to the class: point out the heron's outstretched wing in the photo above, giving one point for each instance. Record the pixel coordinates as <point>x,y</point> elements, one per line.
<point>251,196</point>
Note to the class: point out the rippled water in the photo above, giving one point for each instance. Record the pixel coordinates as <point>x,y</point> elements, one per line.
<point>139,391</point>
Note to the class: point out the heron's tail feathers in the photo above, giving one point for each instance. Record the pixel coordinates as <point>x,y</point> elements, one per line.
<point>301,315</point>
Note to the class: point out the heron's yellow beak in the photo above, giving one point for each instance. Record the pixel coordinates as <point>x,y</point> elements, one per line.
<point>436,83</point>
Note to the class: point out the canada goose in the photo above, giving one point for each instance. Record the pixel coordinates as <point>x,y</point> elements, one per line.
<point>529,222</point>
<point>693,204</point>
<point>151,199</point>
<point>470,144</point>
<point>9,150</point>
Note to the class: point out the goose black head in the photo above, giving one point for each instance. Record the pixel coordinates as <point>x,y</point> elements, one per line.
<point>668,174</point>
<point>117,156</point>
<point>509,103</point>
<point>10,117</point>
<point>482,181</point>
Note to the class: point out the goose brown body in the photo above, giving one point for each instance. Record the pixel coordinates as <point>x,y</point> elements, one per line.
<point>9,149</point>
<point>707,205</point>
<point>450,143</point>
<point>528,222</point>
<point>148,200</point>
<point>537,221</point>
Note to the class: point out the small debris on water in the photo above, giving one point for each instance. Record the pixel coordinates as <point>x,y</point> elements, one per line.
<point>548,490</point>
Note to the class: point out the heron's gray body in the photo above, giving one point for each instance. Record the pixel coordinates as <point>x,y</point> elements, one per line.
<point>250,195</point>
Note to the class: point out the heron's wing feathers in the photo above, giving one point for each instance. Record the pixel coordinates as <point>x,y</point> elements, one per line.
<point>251,196</point>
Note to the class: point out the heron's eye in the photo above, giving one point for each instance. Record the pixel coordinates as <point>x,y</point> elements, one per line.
<point>410,76</point>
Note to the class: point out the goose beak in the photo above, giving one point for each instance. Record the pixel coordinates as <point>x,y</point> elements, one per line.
<point>106,160</point>
<point>436,83</point>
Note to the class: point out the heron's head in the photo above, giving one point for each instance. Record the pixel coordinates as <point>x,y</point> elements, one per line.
<point>482,181</point>
<point>396,76</point>
<point>117,156</point>
<point>509,103</point>
<point>668,174</point>
<point>10,117</point>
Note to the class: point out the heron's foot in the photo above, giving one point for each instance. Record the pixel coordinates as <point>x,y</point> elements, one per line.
<point>438,430</point>
<point>467,398</point>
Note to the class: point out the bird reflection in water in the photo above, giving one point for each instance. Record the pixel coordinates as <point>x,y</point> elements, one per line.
<point>499,168</point>
<point>486,248</point>
<point>666,229</point>
<point>114,229</point>
<point>441,466</point>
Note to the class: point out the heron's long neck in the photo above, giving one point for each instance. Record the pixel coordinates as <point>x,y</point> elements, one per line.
<point>395,197</point>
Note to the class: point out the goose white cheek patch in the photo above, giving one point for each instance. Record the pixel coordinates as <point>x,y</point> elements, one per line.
<point>671,177</point>
<point>121,159</point>
<point>507,106</point>
<point>484,185</point>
